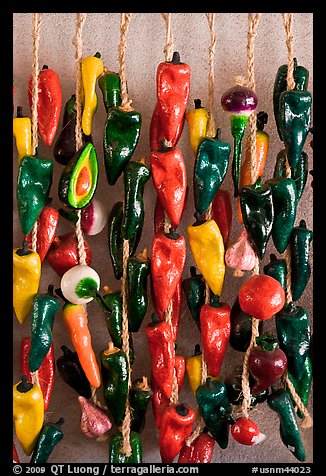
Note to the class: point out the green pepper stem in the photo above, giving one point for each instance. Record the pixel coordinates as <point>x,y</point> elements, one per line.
<point>24,386</point>
<point>97,55</point>
<point>236,164</point>
<point>215,301</point>
<point>45,66</point>
<point>267,342</point>
<point>302,224</point>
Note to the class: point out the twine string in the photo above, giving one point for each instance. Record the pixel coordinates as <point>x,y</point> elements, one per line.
<point>245,369</point>
<point>168,49</point>
<point>124,25</point>
<point>211,55</point>
<point>307,420</point>
<point>288,23</point>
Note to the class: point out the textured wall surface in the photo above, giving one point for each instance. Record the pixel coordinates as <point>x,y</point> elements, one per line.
<point>145,43</point>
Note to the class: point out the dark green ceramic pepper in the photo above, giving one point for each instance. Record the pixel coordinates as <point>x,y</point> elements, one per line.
<point>211,165</point>
<point>233,384</point>
<point>241,328</point>
<point>301,79</point>
<point>299,174</point>
<point>215,409</point>
<point>138,270</point>
<point>293,332</point>
<point>302,386</point>
<point>194,288</point>
<point>139,397</point>
<point>109,84</point>
<point>121,134</point>
<point>136,174</point>
<point>33,188</point>
<point>300,241</point>
<point>257,210</point>
<point>276,268</point>
<point>44,309</point>
<point>72,372</point>
<point>280,401</point>
<point>51,434</point>
<point>284,195</point>
<point>115,377</point>
<point>115,449</point>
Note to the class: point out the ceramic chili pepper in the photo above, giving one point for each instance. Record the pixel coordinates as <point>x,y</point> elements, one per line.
<point>176,426</point>
<point>161,350</point>
<point>200,450</point>
<point>194,369</point>
<point>170,180</point>
<point>65,146</point>
<point>15,457</point>
<point>109,84</point>
<point>72,372</point>
<point>257,210</point>
<point>75,319</point>
<point>233,383</point>
<point>80,284</point>
<point>28,412</point>
<point>240,255</point>
<point>197,120</point>
<point>267,362</point>
<point>172,92</point>
<point>301,79</point>
<point>26,280</point>
<point>51,434</point>
<point>280,401</point>
<point>115,376</point>
<point>211,165</point>
<point>78,180</point>
<point>174,309</point>
<point>222,213</point>
<point>121,135</point>
<point>194,288</point>
<point>139,398</point>
<point>136,174</point>
<point>91,69</point>
<point>138,269</point>
<point>261,296</point>
<point>167,263</point>
<point>246,432</point>
<point>303,385</point>
<point>284,193</point>
<point>94,421</point>
<point>241,328</point>
<point>207,247</point>
<point>239,102</point>
<point>33,187</point>
<point>22,131</point>
<point>293,332</point>
<point>63,253</point>
<point>47,224</point>
<point>44,374</point>
<point>276,268</point>
<point>49,103</point>
<point>299,174</point>
<point>159,213</point>
<point>215,409</point>
<point>44,310</point>
<point>300,242</point>
<point>115,446</point>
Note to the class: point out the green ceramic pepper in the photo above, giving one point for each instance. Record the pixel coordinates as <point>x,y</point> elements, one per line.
<point>284,195</point>
<point>257,210</point>
<point>109,84</point>
<point>233,384</point>
<point>115,376</point>
<point>280,401</point>
<point>211,165</point>
<point>138,270</point>
<point>115,240</point>
<point>301,79</point>
<point>115,449</point>
<point>302,386</point>
<point>299,174</point>
<point>44,309</point>
<point>293,332</point>
<point>51,434</point>
<point>33,187</point>
<point>241,328</point>
<point>136,174</point>
<point>139,398</point>
<point>121,134</point>
<point>276,268</point>
<point>194,288</point>
<point>300,241</point>
<point>215,409</point>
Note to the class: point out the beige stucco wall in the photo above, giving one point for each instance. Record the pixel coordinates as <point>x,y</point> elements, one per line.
<point>145,43</point>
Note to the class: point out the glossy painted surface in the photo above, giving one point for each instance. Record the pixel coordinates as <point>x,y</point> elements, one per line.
<point>139,397</point>
<point>63,253</point>
<point>303,385</point>
<point>241,328</point>
<point>94,217</point>
<point>197,119</point>
<point>138,270</point>
<point>72,372</point>
<point>276,268</point>
<point>300,242</point>
<point>222,213</point>
<point>298,174</point>
<point>47,224</point>
<point>240,255</point>
<point>22,131</point>
<point>200,450</point>
<point>239,100</point>
<point>246,432</point>
<point>194,289</point>
<point>50,436</point>
<point>109,84</point>
<point>91,69</point>
<point>115,445</point>
<point>94,421</point>
<point>79,284</point>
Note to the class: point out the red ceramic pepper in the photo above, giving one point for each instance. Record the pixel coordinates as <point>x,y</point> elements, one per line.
<point>222,213</point>
<point>167,263</point>
<point>261,296</point>
<point>15,457</point>
<point>159,214</point>
<point>48,104</point>
<point>215,328</point>
<point>47,224</point>
<point>170,180</point>
<point>172,91</point>
<point>200,450</point>
<point>176,426</point>
<point>63,253</point>
<point>246,432</point>
<point>45,373</point>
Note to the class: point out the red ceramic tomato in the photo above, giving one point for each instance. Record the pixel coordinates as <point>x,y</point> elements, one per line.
<point>246,432</point>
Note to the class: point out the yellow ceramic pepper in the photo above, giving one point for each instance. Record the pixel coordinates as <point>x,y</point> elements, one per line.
<point>28,411</point>
<point>194,369</point>
<point>197,121</point>
<point>22,130</point>
<point>92,68</point>
<point>207,247</point>
<point>26,279</point>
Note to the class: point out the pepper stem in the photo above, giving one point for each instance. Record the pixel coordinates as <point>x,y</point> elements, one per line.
<point>97,55</point>
<point>176,58</point>
<point>267,342</point>
<point>302,224</point>
<point>60,422</point>
<point>218,134</point>
<point>262,119</point>
<point>215,301</point>
<point>24,386</point>
<point>24,250</point>
<point>164,147</point>
<point>155,320</point>
<point>172,235</point>
<point>111,349</point>
<point>19,111</point>
<point>197,350</point>
<point>198,103</point>
<point>182,409</point>
<point>198,221</point>
<point>193,272</point>
<point>50,289</point>
<point>45,66</point>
